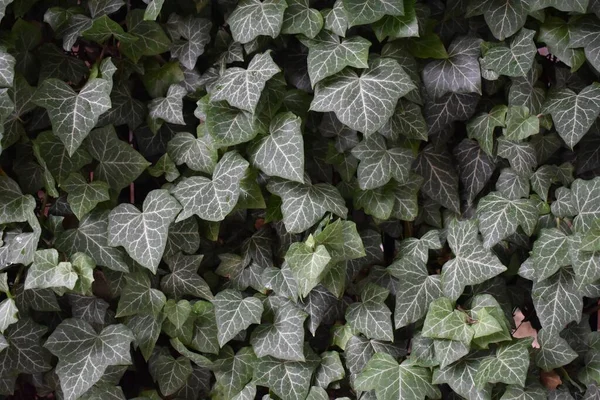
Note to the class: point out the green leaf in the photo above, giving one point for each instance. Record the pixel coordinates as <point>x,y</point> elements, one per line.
<point>505,17</point>
<point>482,127</point>
<point>391,380</point>
<point>521,156</point>
<point>169,108</point>
<point>233,370</point>
<point>573,114</point>
<point>184,279</point>
<point>472,263</point>
<point>284,338</point>
<point>287,379</point>
<point>416,289</point>
<point>305,204</point>
<point>554,352</point>
<point>84,196</point>
<point>557,301</point>
<point>336,19</point>
<point>8,316</point>
<point>242,88</point>
<point>459,73</point>
<point>74,115</point>
<point>366,102</point>
<point>14,205</point>
<point>513,61</point>
<point>585,194</point>
<point>91,238</point>
<point>308,264</point>
<point>500,217</point>
<point>378,164</point>
<point>330,55</point>
<point>199,154</point>
<point>407,121</point>
<point>235,313</point>
<point>399,26</point>
<point>509,365</point>
<point>24,353</point>
<point>519,124</point>
<point>212,199</point>
<point>254,18</point>
<point>330,370</point>
<point>371,316</point>
<point>138,297</point>
<point>441,180</point>
<point>144,234</point>
<point>475,167</point>
<point>461,377</point>
<point>46,272</point>
<point>550,253</point>
<point>151,39</point>
<point>169,372</point>
<point>282,152</point>
<point>359,14</point>
<point>153,10</point>
<point>177,312</point>
<point>84,354</point>
<point>57,159</point>
<point>300,18</point>
<point>444,322</point>
<point>556,33</point>
<point>118,163</point>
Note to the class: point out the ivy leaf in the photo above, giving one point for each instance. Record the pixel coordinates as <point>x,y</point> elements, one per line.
<point>336,19</point>
<point>151,39</point>
<point>416,289</point>
<point>74,115</point>
<point>407,121</point>
<point>118,163</point>
<point>282,152</point>
<point>519,124</point>
<point>254,18</point>
<point>169,108</point>
<point>358,14</point>
<point>300,18</point>
<point>184,279</point>
<point>482,127</point>
<point>554,352</point>
<point>505,17</point>
<point>499,217</point>
<point>144,234</point>
<point>84,196</point>
<point>104,7</point>
<point>138,297</point>
<point>169,372</point>
<point>330,370</point>
<point>557,301</point>
<point>234,370</point>
<point>378,164</point>
<point>307,263</point>
<point>364,103</point>
<point>461,377</point>
<point>550,253</point>
<point>24,353</point>
<point>284,338</point>
<point>399,26</point>
<point>287,379</point>
<point>521,156</point>
<point>91,238</point>
<point>475,167</point>
<point>331,55</point>
<point>371,316</point>
<point>14,205</point>
<point>235,313</point>
<point>54,153</point>
<point>473,263</point>
<point>444,322</point>
<point>153,9</point>
<point>573,114</point>
<point>227,125</point>
<point>584,195</point>
<point>212,199</point>
<point>459,73</point>
<point>46,272</point>
<point>391,380</point>
<point>241,88</point>
<point>199,154</point>
<point>305,204</point>
<point>84,354</point>
<point>441,180</point>
<point>514,61</point>
<point>8,316</point>
<point>509,365</point>
<point>196,35</point>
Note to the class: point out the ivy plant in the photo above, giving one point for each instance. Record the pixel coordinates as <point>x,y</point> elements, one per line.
<point>300,199</point>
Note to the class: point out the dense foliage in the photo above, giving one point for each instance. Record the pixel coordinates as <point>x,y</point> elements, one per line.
<point>284,199</point>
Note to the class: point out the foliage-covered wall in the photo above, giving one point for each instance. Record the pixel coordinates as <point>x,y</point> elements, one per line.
<point>285,199</point>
